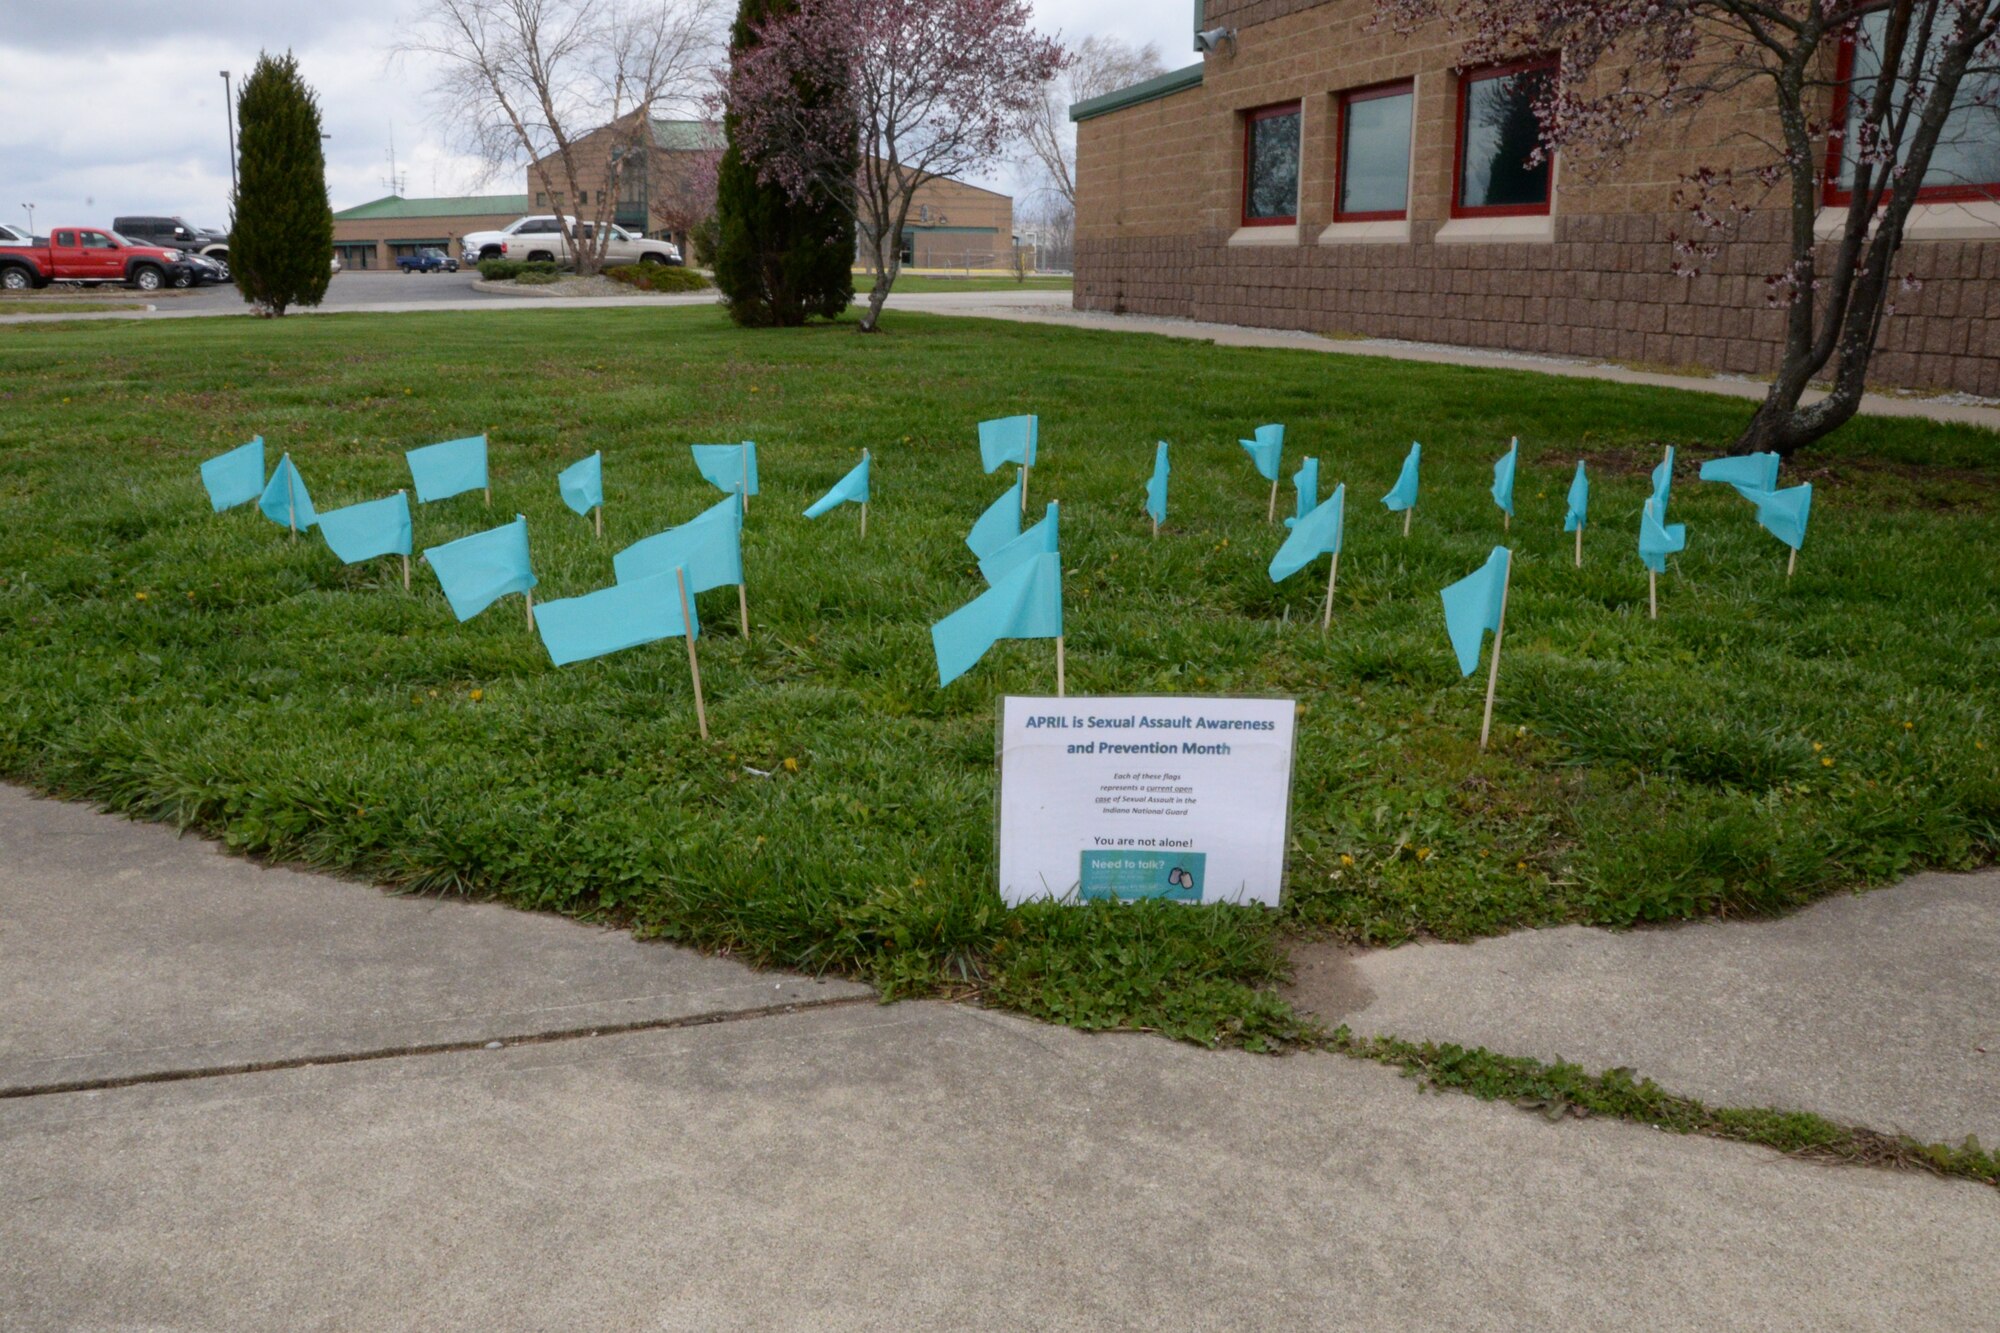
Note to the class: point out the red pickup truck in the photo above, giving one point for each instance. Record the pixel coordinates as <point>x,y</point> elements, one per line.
<point>90,254</point>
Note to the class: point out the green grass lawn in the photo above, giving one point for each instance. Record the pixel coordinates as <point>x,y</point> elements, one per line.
<point>58,308</point>
<point>915,284</point>
<point>1764,743</point>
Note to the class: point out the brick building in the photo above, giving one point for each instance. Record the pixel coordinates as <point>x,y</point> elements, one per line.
<point>1318,173</point>
<point>375,234</point>
<point>667,194</point>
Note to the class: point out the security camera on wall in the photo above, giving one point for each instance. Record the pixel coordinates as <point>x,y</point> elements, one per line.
<point>1215,39</point>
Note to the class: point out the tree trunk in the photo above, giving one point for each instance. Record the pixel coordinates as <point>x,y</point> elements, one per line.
<point>885,278</point>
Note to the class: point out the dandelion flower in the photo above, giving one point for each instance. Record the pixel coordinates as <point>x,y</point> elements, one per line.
<point>1826,763</point>
<point>1423,853</point>
<point>477,695</point>
<point>791,764</point>
<point>1346,860</point>
<point>139,596</point>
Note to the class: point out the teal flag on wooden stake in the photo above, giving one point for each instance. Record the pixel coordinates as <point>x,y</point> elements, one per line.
<point>235,478</point>
<point>479,570</point>
<point>367,530</point>
<point>582,484</point>
<point>613,619</point>
<point>440,471</point>
<point>1472,608</point>
<point>1404,494</point>
<point>1025,604</point>
<point>285,501</point>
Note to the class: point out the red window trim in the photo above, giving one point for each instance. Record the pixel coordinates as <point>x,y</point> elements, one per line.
<point>1250,119</point>
<point>1835,197</point>
<point>1466,78</point>
<point>1342,101</point>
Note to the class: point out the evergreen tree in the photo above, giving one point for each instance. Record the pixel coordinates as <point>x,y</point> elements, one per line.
<point>281,225</point>
<point>780,261</point>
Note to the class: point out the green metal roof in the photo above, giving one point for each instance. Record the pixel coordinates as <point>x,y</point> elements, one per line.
<point>687,136</point>
<point>1165,85</point>
<point>466,205</point>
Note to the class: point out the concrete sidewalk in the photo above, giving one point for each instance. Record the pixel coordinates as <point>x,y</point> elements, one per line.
<point>126,953</point>
<point>1879,1009</point>
<point>838,1166</point>
<point>1037,308</point>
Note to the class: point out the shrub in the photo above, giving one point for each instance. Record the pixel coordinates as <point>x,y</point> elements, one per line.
<point>658,278</point>
<point>511,270</point>
<point>537,275</point>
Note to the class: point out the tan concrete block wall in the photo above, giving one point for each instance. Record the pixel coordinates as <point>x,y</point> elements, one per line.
<point>381,231</point>
<point>1159,190</point>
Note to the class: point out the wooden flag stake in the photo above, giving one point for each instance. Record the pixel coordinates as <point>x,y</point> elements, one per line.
<point>1506,522</point>
<point>487,435</point>
<point>291,510</point>
<point>1332,577</point>
<point>694,663</point>
<point>745,492</point>
<point>406,560</point>
<point>528,595</point>
<point>1408,514</point>
<point>1060,684</point>
<point>600,522</point>
<point>1793,566</point>
<point>1653,592</point>
<point>1272,516</point>
<point>1493,673</point>
<point>743,603</point>
<point>1024,489</point>
<point>1579,546</point>
<point>864,505</point>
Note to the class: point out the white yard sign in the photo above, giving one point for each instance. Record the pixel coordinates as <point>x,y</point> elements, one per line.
<point>1183,799</point>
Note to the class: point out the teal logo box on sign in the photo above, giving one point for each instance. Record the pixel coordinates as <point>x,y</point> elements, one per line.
<point>1131,875</point>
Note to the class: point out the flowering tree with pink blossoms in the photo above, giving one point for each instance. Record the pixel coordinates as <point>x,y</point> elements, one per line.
<point>938,88</point>
<point>1867,107</point>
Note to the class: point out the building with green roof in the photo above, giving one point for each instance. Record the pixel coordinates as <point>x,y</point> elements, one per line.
<point>375,234</point>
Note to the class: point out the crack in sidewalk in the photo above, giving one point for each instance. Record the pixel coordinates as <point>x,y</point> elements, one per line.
<point>427,1048</point>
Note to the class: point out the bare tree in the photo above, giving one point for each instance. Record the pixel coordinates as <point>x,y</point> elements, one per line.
<point>532,79</point>
<point>1871,104</point>
<point>1096,66</point>
<point>1050,220</point>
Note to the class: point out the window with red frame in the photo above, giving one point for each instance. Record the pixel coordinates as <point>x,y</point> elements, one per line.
<point>1271,166</point>
<point>1966,162</point>
<point>1373,176</point>
<point>1498,133</point>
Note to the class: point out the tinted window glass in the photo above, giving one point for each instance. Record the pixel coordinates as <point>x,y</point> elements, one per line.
<point>1968,148</point>
<point>1273,194</point>
<point>1497,140</point>
<point>1375,154</point>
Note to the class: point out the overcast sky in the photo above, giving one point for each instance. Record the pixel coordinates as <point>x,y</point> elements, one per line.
<point>117,107</point>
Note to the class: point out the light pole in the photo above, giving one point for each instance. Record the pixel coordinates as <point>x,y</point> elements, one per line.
<point>229,118</point>
<point>31,218</point>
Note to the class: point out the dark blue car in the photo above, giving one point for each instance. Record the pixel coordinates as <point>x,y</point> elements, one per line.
<point>430,259</point>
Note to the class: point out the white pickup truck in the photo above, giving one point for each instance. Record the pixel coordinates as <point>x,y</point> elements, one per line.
<point>541,237</point>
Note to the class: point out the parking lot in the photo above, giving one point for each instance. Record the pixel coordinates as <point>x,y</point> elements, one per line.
<point>351,289</point>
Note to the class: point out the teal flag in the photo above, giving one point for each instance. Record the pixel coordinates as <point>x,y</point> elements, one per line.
<point>1751,474</point>
<point>1009,440</point>
<point>1503,478</point>
<point>1784,514</point>
<point>1404,496</point>
<point>440,471</point>
<point>709,546</point>
<point>728,467</point>
<point>1026,604</point>
<point>1318,533</point>
<point>235,478</point>
<point>367,530</point>
<point>479,570</point>
<point>285,501</point>
<point>1472,607</point>
<point>1000,524</point>
<point>1267,451</point>
<point>582,484</point>
<point>1042,539</point>
<point>1663,483</point>
<point>1306,480</point>
<point>1156,488</point>
<point>850,489</point>
<point>1579,500</point>
<point>1657,541</point>
<point>613,619</point>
